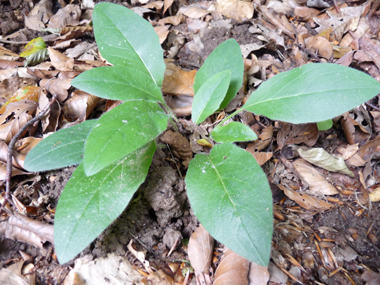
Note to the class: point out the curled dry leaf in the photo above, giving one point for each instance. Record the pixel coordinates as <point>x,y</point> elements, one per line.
<point>162,32</point>
<point>348,151</point>
<point>200,251</point>
<point>263,141</point>
<point>60,61</point>
<point>375,195</point>
<point>367,151</point>
<point>57,86</point>
<point>193,11</point>
<point>317,183</point>
<point>68,15</point>
<point>180,146</point>
<point>235,9</point>
<point>9,86</point>
<point>16,115</point>
<point>181,105</point>
<point>17,158</point>
<point>295,134</point>
<point>24,93</point>
<point>306,201</point>
<point>173,20</point>
<point>79,106</point>
<point>40,15</point>
<point>321,158</point>
<point>305,13</point>
<point>353,131</point>
<point>232,269</point>
<point>15,274</point>
<point>320,45</point>
<point>180,82</point>
<point>261,157</point>
<point>6,54</point>
<point>24,229</point>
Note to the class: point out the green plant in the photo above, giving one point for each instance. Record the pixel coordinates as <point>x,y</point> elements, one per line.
<point>227,189</point>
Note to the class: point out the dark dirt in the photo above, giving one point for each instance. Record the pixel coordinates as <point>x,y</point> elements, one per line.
<point>159,217</point>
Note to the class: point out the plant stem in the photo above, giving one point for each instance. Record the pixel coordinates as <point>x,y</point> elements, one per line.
<point>169,111</point>
<point>233,114</point>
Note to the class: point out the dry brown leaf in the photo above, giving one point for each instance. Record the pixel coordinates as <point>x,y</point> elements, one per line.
<point>15,171</point>
<point>40,15</point>
<point>353,131</point>
<point>24,229</point>
<point>7,64</point>
<point>375,195</point>
<point>317,183</point>
<point>200,251</point>
<point>167,5</point>
<point>179,83</point>
<point>306,201</point>
<point>348,151</point>
<point>173,20</point>
<point>68,15</point>
<point>180,146</point>
<point>232,269</point>
<point>16,115</point>
<point>321,158</point>
<point>162,32</point>
<point>305,13</point>
<point>79,106</point>
<point>320,45</point>
<point>6,54</point>
<point>238,10</point>
<point>68,29</point>
<point>263,141</point>
<point>193,11</point>
<point>261,157</point>
<point>258,274</point>
<point>295,134</point>
<point>371,277</point>
<point>14,275</point>
<point>155,5</point>
<point>11,85</point>
<point>23,146</point>
<point>367,151</point>
<point>60,61</point>
<point>57,86</point>
<point>17,158</point>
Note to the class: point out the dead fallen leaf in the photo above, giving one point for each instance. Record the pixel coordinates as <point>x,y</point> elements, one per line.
<point>258,274</point>
<point>24,93</point>
<point>261,157</point>
<point>69,15</point>
<point>200,251</point>
<point>193,11</point>
<point>9,86</point>
<point>319,45</point>
<point>180,82</point>
<point>39,15</point>
<point>306,201</point>
<point>60,61</point>
<point>232,269</point>
<point>16,115</point>
<point>295,134</point>
<point>353,131</point>
<point>57,86</point>
<point>162,32</point>
<point>238,10</point>
<point>263,141</point>
<point>317,183</point>
<point>6,54</point>
<point>367,151</point>
<point>79,106</point>
<point>321,158</point>
<point>15,275</point>
<point>371,277</point>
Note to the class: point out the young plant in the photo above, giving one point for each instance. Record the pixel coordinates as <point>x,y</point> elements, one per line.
<point>227,189</point>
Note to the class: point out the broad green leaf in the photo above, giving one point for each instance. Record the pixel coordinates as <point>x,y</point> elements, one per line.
<point>63,148</point>
<point>208,98</point>
<point>230,196</point>
<point>233,132</point>
<point>227,56</point>
<point>33,46</point>
<point>118,83</point>
<point>126,39</point>
<point>88,205</point>
<point>121,131</point>
<point>312,93</point>
<point>325,125</point>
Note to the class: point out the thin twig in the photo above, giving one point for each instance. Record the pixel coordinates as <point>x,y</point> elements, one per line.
<point>12,144</point>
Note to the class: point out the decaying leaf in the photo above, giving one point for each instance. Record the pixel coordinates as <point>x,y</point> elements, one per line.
<point>18,274</point>
<point>79,106</point>
<point>258,274</point>
<point>15,116</point>
<point>9,86</point>
<point>353,131</point>
<point>295,134</point>
<point>60,61</point>
<point>238,10</point>
<point>180,82</point>
<point>200,251</point>
<point>162,32</point>
<point>263,141</point>
<point>321,158</point>
<point>320,45</point>
<point>367,151</point>
<point>375,195</point>
<point>317,183</point>
<point>232,269</point>
<point>68,15</point>
<point>261,157</point>
<point>40,15</point>
<point>57,86</point>
<point>306,201</point>
<point>6,54</point>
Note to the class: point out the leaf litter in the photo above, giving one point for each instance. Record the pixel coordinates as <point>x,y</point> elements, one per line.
<point>274,37</point>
